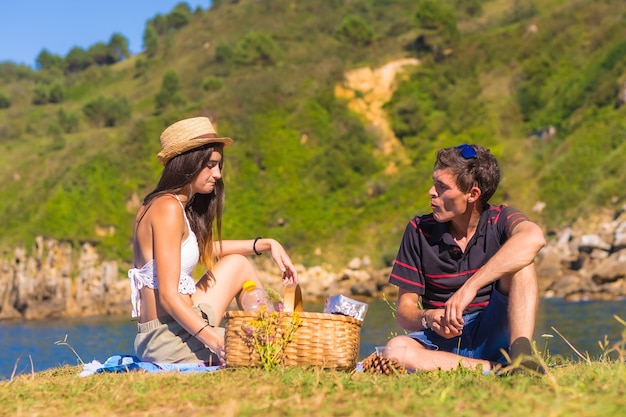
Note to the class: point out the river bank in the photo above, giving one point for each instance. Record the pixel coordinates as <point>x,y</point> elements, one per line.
<point>30,345</point>
<point>54,279</point>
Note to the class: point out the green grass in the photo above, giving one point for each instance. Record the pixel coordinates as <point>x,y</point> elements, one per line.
<point>589,387</point>
<point>596,389</point>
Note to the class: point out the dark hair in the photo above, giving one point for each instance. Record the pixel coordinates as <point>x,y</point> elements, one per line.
<point>204,211</point>
<point>481,171</point>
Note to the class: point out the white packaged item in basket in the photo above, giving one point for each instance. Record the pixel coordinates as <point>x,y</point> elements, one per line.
<point>340,304</point>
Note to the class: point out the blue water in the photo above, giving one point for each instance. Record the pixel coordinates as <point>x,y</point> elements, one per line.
<point>30,346</point>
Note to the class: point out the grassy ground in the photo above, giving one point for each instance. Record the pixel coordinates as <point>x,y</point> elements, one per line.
<point>580,386</point>
<point>581,389</point>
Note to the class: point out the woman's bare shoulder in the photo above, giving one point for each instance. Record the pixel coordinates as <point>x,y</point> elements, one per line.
<point>165,207</point>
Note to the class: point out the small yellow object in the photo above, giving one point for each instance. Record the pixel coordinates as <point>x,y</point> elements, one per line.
<point>248,285</point>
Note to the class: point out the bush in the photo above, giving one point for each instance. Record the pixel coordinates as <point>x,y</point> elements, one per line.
<point>5,103</point>
<point>68,122</point>
<point>436,15</point>
<point>107,112</point>
<point>169,95</point>
<point>40,95</point>
<point>56,93</point>
<point>257,48</point>
<point>224,53</point>
<point>212,83</point>
<point>141,67</point>
<point>355,30</point>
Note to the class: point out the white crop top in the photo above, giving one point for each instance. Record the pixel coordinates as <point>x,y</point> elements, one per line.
<point>146,276</point>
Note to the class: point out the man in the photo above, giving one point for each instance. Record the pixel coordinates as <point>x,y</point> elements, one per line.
<point>467,283</point>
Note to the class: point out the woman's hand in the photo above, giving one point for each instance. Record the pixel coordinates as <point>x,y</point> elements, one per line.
<point>215,345</point>
<point>282,260</point>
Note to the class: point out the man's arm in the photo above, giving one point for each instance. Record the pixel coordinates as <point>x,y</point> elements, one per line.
<point>518,252</point>
<point>409,315</point>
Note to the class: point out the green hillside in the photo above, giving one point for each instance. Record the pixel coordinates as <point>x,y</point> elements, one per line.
<point>538,82</point>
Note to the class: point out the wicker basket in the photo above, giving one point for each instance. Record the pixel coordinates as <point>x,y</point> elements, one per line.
<point>324,340</point>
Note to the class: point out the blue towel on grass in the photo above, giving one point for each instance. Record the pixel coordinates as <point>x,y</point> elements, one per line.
<point>128,363</point>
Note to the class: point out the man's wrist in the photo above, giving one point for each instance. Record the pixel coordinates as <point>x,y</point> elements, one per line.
<point>425,324</point>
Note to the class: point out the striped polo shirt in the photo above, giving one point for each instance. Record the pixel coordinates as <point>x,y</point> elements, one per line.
<point>431,264</point>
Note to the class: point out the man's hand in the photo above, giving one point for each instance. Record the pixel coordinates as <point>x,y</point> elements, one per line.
<point>456,305</point>
<point>436,321</point>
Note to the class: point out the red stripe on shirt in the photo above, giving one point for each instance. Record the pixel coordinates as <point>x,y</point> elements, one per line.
<point>447,276</point>
<point>440,304</point>
<point>413,283</point>
<point>407,266</point>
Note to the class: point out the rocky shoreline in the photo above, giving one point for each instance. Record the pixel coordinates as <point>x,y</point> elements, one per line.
<point>52,280</point>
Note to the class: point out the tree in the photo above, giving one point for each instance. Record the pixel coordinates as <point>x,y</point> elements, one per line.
<point>118,46</point>
<point>159,24</point>
<point>10,71</point>
<point>150,40</point>
<point>100,54</point>
<point>179,17</point>
<point>48,61</point>
<point>108,54</point>
<point>169,93</point>
<point>77,60</point>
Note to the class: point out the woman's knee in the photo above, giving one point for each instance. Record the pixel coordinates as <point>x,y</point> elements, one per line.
<point>235,269</point>
<point>234,262</point>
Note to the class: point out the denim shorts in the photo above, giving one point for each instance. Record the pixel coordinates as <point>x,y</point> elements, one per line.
<point>485,332</point>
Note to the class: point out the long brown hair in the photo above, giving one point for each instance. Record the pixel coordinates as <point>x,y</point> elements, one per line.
<point>204,211</point>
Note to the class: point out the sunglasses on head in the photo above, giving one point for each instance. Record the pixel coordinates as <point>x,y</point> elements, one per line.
<point>467,152</point>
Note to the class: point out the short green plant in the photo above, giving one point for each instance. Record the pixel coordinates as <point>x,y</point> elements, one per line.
<point>617,348</point>
<point>65,343</point>
<point>546,351</point>
<point>275,298</point>
<point>269,337</point>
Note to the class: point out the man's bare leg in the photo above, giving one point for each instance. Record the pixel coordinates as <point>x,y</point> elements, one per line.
<point>523,292</point>
<point>418,358</point>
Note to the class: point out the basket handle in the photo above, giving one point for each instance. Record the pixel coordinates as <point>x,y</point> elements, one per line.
<point>292,299</point>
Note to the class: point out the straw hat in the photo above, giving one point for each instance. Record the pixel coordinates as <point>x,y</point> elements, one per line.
<point>188,134</point>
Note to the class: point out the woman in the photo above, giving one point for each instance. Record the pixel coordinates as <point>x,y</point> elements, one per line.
<point>175,228</point>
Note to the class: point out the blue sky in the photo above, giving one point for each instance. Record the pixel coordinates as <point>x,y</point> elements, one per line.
<point>29,26</point>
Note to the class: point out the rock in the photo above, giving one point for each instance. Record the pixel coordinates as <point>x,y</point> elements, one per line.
<point>611,270</point>
<point>619,241</point>
<point>55,279</point>
<point>593,241</point>
<point>355,263</point>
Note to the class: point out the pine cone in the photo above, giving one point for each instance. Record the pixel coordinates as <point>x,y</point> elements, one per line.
<point>378,364</point>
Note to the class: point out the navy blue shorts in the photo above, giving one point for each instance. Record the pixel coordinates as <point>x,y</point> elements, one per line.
<point>485,332</point>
